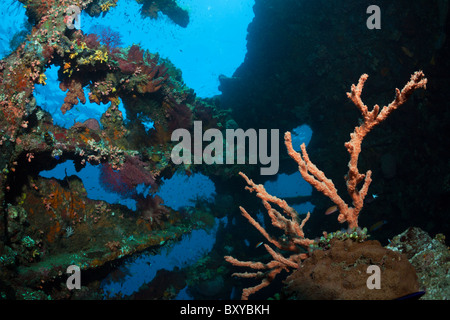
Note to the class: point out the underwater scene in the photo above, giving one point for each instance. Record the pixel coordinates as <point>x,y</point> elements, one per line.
<point>224,150</point>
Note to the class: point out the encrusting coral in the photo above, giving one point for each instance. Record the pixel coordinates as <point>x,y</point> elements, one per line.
<point>55,211</point>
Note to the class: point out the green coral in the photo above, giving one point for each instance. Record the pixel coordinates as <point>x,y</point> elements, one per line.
<point>28,242</point>
<point>355,234</point>
<point>8,258</point>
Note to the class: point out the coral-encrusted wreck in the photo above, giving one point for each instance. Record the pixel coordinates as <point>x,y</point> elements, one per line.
<point>48,224</point>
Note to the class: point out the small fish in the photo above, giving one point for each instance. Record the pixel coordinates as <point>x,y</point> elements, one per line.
<point>370,198</point>
<point>259,244</point>
<point>48,138</point>
<point>331,210</point>
<point>377,225</point>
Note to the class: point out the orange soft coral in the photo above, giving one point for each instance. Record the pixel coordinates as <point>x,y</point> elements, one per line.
<point>317,178</point>
<point>75,92</point>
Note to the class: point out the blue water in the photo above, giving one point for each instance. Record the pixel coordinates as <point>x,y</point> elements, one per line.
<point>213,43</point>
<point>142,269</point>
<point>13,22</point>
<point>179,191</point>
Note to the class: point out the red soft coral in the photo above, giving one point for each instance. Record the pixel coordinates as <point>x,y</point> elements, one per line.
<point>124,181</point>
<point>92,41</point>
<point>126,67</point>
<point>148,74</point>
<point>155,76</point>
<point>136,54</point>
